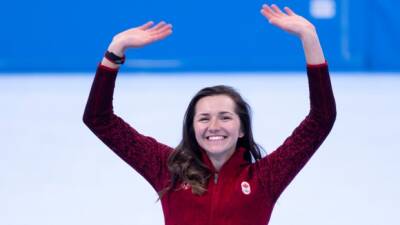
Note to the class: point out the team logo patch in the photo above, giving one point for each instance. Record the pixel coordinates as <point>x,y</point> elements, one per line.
<point>185,186</point>
<point>245,188</point>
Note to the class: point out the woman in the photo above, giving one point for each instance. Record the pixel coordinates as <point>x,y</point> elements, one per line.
<point>216,175</point>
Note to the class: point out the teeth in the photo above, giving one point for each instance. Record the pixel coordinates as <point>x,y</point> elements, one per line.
<point>214,138</point>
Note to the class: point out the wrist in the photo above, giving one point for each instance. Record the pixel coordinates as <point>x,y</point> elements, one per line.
<point>107,63</point>
<point>114,58</point>
<point>116,48</point>
<point>308,35</point>
<point>312,49</point>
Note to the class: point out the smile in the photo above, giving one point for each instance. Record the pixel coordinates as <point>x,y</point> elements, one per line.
<point>216,138</point>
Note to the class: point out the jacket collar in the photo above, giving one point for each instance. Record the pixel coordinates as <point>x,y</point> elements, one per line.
<point>233,164</point>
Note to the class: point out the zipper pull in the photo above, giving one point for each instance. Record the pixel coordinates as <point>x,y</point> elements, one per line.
<point>215,178</point>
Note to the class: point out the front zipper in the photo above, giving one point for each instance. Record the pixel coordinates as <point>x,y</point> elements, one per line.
<point>214,199</point>
<point>215,178</point>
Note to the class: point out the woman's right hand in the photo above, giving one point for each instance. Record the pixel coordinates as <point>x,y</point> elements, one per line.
<point>139,36</point>
<point>298,25</point>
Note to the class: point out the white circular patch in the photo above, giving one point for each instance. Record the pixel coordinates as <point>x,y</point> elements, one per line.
<point>246,188</point>
<point>185,186</point>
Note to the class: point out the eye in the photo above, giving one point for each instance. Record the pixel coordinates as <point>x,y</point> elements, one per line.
<point>226,118</point>
<point>203,119</point>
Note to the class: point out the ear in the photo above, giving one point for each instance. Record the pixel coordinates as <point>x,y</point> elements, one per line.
<point>241,133</point>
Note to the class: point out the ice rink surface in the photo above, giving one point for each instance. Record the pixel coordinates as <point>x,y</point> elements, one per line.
<point>53,170</point>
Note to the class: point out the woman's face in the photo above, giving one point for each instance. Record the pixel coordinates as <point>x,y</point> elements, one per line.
<point>217,126</point>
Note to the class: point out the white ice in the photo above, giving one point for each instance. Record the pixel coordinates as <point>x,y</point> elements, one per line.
<point>53,170</point>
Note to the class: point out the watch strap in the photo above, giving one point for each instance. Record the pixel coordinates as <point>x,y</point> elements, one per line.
<point>114,58</point>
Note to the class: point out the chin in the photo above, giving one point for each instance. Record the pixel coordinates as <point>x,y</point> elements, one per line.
<point>217,151</point>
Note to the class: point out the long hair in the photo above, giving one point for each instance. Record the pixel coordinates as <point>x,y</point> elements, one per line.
<point>185,163</point>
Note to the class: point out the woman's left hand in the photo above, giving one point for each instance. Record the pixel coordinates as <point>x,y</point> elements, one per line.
<point>299,26</point>
<point>289,21</point>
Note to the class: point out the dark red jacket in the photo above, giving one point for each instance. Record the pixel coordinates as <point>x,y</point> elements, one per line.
<point>241,193</point>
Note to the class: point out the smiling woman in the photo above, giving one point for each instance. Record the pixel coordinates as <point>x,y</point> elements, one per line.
<point>217,142</point>
<point>217,122</point>
<point>217,127</point>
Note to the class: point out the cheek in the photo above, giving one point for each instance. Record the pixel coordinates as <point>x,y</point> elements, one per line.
<point>241,132</point>
<point>198,131</point>
<point>236,127</point>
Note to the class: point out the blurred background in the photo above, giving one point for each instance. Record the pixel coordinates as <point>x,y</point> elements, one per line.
<point>53,170</point>
<point>71,36</point>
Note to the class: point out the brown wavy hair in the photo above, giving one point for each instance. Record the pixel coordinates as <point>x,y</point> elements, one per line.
<point>185,163</point>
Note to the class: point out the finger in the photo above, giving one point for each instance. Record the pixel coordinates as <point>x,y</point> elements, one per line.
<point>278,23</point>
<point>162,31</point>
<point>163,28</point>
<point>162,35</point>
<point>273,21</point>
<point>277,10</point>
<point>268,12</point>
<point>289,11</point>
<point>158,26</point>
<point>146,25</point>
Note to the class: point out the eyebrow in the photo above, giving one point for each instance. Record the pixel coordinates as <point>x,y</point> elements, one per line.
<point>219,113</point>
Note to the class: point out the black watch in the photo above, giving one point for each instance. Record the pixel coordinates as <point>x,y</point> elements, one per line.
<point>114,58</point>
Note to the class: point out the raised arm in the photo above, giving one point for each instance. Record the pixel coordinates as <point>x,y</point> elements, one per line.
<point>299,26</point>
<point>144,154</point>
<point>280,167</point>
<point>137,37</point>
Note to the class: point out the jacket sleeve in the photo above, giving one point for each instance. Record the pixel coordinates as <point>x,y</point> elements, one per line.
<point>280,167</point>
<point>144,154</point>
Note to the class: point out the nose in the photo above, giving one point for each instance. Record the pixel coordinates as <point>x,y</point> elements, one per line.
<point>214,125</point>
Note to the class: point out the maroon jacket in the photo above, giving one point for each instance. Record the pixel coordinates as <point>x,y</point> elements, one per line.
<point>241,193</point>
